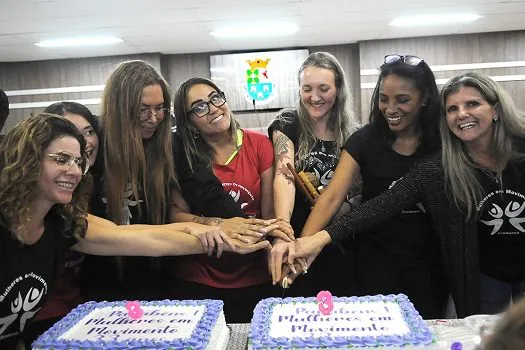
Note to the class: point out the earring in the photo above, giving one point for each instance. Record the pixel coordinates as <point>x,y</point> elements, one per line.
<point>495,118</point>
<point>195,134</point>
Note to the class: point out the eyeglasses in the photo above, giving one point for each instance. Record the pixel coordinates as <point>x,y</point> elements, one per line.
<point>65,161</point>
<point>202,109</point>
<point>158,112</point>
<point>408,59</point>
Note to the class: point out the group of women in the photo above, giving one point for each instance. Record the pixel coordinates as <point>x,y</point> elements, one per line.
<point>440,180</point>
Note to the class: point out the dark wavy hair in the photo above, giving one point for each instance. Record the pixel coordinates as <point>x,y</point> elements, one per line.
<point>70,107</point>
<point>195,148</point>
<point>430,113</point>
<point>21,154</point>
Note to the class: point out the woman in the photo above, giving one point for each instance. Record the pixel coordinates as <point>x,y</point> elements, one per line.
<point>243,162</point>
<point>138,178</point>
<point>67,293</point>
<point>472,192</point>
<point>404,128</point>
<point>309,138</point>
<point>43,200</point>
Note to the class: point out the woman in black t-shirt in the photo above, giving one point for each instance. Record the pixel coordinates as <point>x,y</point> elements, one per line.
<point>309,138</point>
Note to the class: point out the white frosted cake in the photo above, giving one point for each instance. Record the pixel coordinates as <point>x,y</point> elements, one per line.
<point>167,324</point>
<point>371,321</point>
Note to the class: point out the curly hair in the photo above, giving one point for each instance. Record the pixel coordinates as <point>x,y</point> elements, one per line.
<point>21,154</point>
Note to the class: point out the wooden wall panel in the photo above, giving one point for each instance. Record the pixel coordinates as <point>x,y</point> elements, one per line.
<point>451,50</point>
<point>57,74</point>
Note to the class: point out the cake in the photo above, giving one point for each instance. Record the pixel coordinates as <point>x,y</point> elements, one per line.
<point>168,324</point>
<point>370,321</point>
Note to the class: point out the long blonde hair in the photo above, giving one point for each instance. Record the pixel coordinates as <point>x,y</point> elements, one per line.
<point>507,132</point>
<point>342,122</point>
<point>127,159</point>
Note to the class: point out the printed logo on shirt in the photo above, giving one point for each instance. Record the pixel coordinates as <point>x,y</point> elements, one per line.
<point>22,296</point>
<point>324,178</point>
<point>239,193</point>
<point>504,216</point>
<point>322,163</point>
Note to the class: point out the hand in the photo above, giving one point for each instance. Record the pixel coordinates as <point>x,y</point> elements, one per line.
<point>212,238</point>
<point>241,228</point>
<point>284,231</point>
<point>290,272</point>
<point>278,258</point>
<point>308,247</point>
<point>247,248</point>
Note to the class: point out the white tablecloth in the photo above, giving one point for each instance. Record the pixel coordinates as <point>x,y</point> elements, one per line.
<point>447,332</point>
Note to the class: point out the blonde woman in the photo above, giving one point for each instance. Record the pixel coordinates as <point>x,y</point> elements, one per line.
<point>309,138</point>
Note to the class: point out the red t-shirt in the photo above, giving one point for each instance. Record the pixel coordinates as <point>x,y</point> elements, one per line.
<point>241,178</point>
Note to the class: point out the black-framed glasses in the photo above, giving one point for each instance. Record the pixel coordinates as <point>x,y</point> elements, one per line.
<point>65,161</point>
<point>158,112</point>
<point>202,108</point>
<point>408,59</point>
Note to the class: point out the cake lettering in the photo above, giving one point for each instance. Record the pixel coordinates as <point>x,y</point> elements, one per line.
<point>304,319</point>
<point>112,331</point>
<point>329,330</point>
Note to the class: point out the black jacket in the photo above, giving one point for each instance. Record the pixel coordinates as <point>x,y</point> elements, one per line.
<point>425,183</point>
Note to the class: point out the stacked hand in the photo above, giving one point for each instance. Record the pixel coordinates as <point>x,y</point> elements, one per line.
<point>239,235</point>
<point>289,259</point>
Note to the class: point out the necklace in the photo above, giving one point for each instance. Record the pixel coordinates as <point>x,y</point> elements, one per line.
<point>323,148</point>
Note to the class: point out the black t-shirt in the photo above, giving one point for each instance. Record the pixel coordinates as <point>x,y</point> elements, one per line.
<point>130,277</point>
<point>404,236</point>
<point>322,161</point>
<point>27,273</point>
<point>501,224</point>
<point>401,254</point>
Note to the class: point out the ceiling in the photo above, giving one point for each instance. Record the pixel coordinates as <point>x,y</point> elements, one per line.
<point>183,26</point>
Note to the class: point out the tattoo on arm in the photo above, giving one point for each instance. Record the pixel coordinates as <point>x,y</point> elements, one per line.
<point>281,154</point>
<point>208,221</point>
<point>285,172</point>
<point>280,147</point>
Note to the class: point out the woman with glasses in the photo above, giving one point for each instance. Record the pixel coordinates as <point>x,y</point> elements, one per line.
<point>43,202</point>
<point>473,192</point>
<point>68,292</point>
<point>404,128</point>
<point>309,139</point>
<point>243,162</point>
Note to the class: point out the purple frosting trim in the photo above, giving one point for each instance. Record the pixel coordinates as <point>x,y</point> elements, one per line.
<point>260,326</point>
<point>198,340</point>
